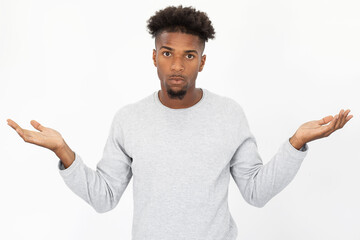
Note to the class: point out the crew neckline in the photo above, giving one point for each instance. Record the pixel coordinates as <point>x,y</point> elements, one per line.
<point>195,106</point>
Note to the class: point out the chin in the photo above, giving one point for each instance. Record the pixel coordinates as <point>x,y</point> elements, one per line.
<point>176,94</point>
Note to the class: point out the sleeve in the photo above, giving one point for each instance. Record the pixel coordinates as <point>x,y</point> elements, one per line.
<point>258,183</point>
<point>101,188</point>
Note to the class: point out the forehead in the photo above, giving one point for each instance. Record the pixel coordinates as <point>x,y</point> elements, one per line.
<point>178,40</point>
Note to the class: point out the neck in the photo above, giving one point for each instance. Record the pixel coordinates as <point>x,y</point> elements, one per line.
<point>191,97</point>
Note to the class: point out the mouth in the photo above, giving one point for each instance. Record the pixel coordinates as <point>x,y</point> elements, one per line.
<point>176,80</point>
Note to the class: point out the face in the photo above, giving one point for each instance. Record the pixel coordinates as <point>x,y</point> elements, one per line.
<point>178,60</point>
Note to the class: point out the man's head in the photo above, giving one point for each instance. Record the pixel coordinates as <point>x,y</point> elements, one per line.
<point>180,34</point>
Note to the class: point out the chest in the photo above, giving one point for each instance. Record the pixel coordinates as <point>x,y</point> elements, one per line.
<point>189,149</point>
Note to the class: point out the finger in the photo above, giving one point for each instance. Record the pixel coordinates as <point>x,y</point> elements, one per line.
<point>325,120</point>
<point>343,120</point>
<point>26,135</point>
<point>349,117</point>
<point>331,127</point>
<point>16,127</point>
<point>12,124</point>
<point>337,125</point>
<point>21,132</point>
<point>37,125</point>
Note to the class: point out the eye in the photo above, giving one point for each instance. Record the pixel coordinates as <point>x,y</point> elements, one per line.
<point>191,56</point>
<point>164,53</point>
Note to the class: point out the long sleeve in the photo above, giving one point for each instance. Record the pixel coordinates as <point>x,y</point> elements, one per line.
<point>258,183</point>
<point>103,188</point>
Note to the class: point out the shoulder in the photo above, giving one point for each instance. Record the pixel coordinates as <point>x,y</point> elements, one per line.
<point>233,105</point>
<point>133,110</point>
<point>228,104</point>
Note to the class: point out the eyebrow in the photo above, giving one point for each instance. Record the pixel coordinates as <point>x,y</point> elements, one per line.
<point>186,51</point>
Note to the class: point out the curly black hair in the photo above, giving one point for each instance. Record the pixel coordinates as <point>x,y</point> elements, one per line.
<point>181,19</point>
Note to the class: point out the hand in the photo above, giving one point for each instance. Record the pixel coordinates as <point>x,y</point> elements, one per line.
<point>313,130</point>
<point>47,137</point>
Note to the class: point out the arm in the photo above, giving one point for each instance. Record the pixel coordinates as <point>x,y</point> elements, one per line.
<point>258,183</point>
<point>102,188</point>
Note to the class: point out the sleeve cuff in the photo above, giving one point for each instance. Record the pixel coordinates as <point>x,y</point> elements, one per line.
<point>67,171</point>
<point>298,154</point>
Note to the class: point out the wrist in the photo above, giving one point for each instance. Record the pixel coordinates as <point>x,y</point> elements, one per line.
<point>296,142</point>
<point>60,148</point>
<point>66,155</point>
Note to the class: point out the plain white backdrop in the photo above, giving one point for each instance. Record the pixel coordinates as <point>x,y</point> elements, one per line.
<point>71,64</point>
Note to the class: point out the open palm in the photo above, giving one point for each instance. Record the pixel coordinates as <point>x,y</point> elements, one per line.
<point>47,137</point>
<point>316,129</point>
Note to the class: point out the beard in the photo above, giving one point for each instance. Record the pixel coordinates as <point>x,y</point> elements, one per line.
<point>176,94</point>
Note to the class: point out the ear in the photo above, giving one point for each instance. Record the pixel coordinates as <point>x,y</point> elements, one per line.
<point>154,57</point>
<point>203,59</point>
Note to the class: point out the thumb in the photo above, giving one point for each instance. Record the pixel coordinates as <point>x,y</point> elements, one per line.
<point>37,125</point>
<point>325,120</point>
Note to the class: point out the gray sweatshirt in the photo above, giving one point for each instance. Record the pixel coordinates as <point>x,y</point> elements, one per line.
<point>181,161</point>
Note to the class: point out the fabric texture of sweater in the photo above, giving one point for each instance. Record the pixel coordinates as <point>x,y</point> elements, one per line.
<point>181,161</point>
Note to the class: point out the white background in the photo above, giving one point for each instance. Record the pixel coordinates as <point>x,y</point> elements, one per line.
<point>70,64</point>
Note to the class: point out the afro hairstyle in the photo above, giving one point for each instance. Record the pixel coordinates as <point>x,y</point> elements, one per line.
<point>181,19</point>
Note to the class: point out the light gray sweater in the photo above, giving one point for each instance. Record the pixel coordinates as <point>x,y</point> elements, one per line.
<point>181,161</point>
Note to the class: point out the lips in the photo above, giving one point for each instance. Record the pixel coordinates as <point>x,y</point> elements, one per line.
<point>177,78</point>
<point>176,81</point>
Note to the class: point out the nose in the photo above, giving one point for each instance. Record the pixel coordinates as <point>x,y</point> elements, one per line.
<point>177,64</point>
